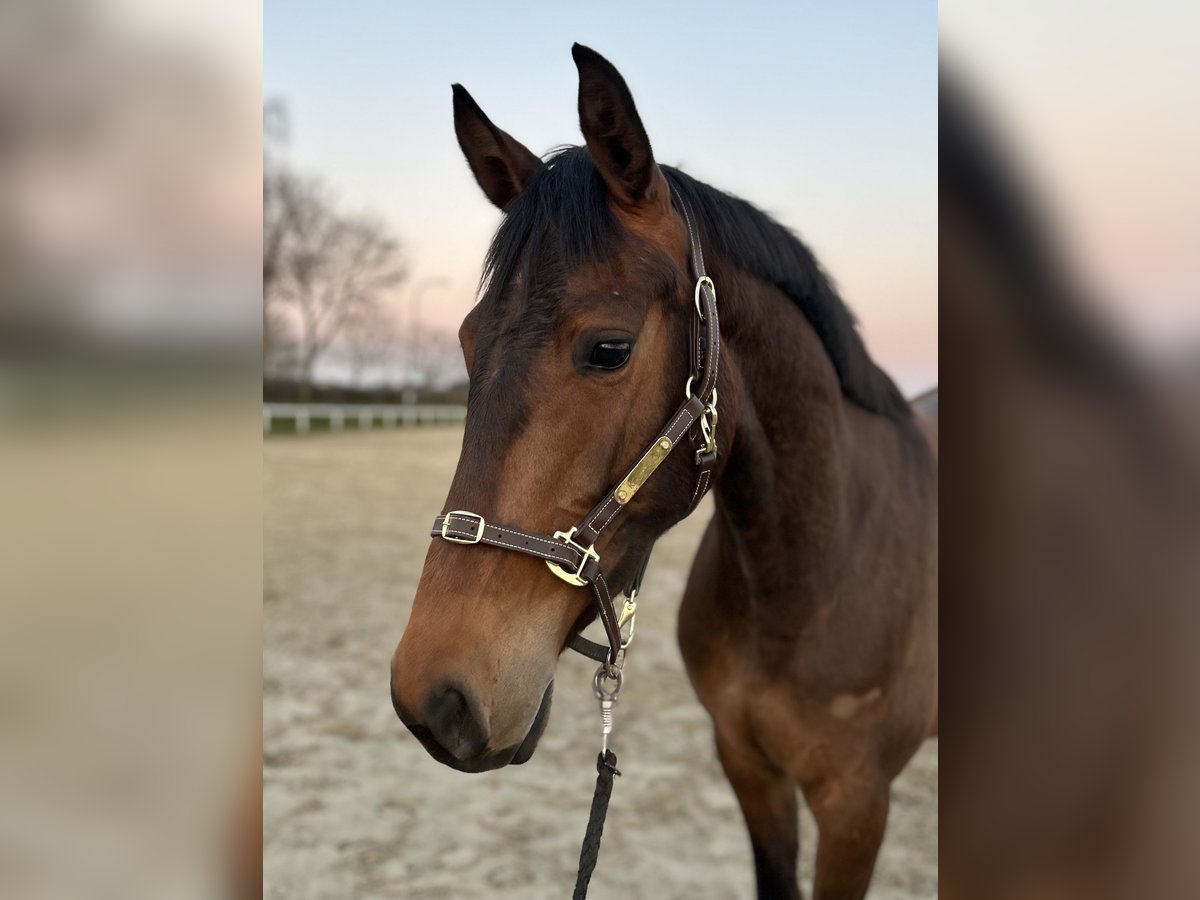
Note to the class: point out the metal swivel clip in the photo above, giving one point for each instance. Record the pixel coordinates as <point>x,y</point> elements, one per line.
<point>606,684</point>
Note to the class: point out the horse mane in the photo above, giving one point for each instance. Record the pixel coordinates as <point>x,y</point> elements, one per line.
<point>567,202</point>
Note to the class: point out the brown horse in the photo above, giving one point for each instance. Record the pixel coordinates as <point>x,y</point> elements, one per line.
<point>809,625</point>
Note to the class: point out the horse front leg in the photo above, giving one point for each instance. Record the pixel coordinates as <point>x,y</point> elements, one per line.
<point>767,796</point>
<point>708,638</point>
<point>851,813</point>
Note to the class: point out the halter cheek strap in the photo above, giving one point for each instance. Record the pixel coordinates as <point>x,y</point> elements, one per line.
<point>571,555</point>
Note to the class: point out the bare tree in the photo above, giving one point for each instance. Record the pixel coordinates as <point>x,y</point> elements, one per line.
<point>280,190</point>
<point>336,271</point>
<point>322,269</point>
<point>370,338</point>
<point>292,205</point>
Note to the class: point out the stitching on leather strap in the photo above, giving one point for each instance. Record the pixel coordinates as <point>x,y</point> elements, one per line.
<point>532,537</point>
<point>611,516</point>
<point>682,412</point>
<point>554,551</point>
<point>715,340</point>
<point>607,613</point>
<point>530,550</point>
<point>701,487</point>
<point>693,238</point>
<point>609,500</point>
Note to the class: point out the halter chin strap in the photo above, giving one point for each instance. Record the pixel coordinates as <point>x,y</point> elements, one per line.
<point>571,554</point>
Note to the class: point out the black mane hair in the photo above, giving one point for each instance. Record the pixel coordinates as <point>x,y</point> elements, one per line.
<point>567,202</point>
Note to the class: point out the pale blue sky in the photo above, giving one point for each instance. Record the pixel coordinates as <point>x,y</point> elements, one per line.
<point>824,115</point>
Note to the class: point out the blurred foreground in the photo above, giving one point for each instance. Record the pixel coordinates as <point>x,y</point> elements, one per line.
<point>130,514</point>
<point>1070,688</point>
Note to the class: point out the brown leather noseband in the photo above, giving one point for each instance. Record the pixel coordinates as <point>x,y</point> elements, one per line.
<point>571,554</point>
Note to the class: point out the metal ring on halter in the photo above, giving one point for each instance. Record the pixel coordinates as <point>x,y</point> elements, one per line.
<point>602,674</point>
<point>712,287</point>
<point>687,392</point>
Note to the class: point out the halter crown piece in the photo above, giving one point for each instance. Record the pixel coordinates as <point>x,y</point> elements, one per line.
<point>571,554</point>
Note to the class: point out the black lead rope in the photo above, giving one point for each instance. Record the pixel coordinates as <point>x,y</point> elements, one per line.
<point>606,770</point>
<point>606,684</point>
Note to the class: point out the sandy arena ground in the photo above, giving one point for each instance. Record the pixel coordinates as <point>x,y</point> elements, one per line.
<point>355,808</point>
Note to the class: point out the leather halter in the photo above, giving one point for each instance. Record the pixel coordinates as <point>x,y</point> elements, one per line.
<point>571,554</point>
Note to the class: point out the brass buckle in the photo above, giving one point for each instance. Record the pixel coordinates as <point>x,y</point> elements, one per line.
<point>576,578</point>
<point>463,513</point>
<point>712,287</point>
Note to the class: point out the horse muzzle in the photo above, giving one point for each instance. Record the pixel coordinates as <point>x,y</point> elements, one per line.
<point>453,730</point>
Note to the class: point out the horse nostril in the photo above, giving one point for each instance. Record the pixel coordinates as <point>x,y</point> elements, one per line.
<point>455,722</point>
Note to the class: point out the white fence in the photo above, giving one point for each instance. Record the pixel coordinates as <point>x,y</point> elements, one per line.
<point>335,416</point>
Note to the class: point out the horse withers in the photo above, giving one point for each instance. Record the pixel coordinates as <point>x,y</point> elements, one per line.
<point>809,622</point>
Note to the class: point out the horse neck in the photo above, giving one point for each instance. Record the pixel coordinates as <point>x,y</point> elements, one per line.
<point>794,469</point>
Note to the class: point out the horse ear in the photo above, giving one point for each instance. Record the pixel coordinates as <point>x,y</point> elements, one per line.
<point>502,165</point>
<point>615,137</point>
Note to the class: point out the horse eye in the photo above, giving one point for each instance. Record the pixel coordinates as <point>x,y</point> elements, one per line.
<point>609,355</point>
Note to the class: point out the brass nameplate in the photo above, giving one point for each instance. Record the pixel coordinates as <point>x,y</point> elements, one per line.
<point>643,470</point>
